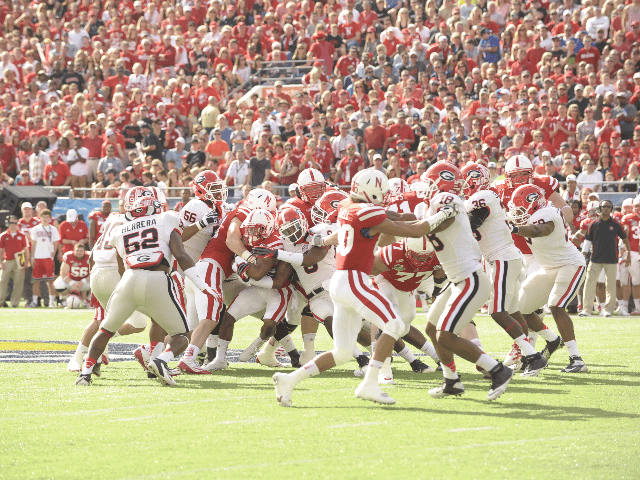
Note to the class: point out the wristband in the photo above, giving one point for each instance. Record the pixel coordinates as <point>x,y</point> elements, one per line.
<point>200,225</point>
<point>515,229</point>
<point>264,282</point>
<point>291,257</point>
<point>246,255</point>
<point>192,274</point>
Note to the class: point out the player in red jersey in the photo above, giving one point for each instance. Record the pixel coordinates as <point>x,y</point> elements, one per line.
<point>361,220</point>
<point>74,273</point>
<point>215,266</point>
<point>406,202</point>
<point>96,220</point>
<point>631,274</point>
<point>519,171</point>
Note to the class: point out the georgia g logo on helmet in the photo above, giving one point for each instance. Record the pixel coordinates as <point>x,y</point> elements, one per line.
<point>334,203</point>
<point>532,197</point>
<point>447,176</point>
<point>474,174</point>
<point>200,178</point>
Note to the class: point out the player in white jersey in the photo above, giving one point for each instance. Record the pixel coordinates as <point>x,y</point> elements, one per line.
<point>562,265</point>
<point>460,256</point>
<point>145,245</point>
<point>491,229</point>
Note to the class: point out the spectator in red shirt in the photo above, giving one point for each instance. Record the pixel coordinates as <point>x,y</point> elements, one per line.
<point>400,131</point>
<point>56,173</point>
<point>72,231</point>
<point>350,164</point>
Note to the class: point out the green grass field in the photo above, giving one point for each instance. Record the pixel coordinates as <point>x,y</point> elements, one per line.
<point>228,425</point>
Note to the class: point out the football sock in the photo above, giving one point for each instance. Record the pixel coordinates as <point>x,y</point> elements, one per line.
<point>525,346</point>
<point>34,298</point>
<point>624,304</point>
<point>191,352</point>
<point>449,371</point>
<point>572,348</point>
<point>533,337</point>
<point>602,307</point>
<point>308,341</point>
<point>52,299</point>
<point>407,354</point>
<point>89,363</point>
<point>308,370</point>
<point>166,356</point>
<point>430,350</point>
<point>371,376</point>
<point>222,350</point>
<point>81,351</point>
<point>486,362</point>
<point>547,334</point>
<point>287,343</point>
<point>212,342</point>
<point>156,350</point>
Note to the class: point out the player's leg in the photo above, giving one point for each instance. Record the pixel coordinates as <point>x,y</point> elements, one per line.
<point>634,270</point>
<point>282,336</point>
<point>416,339</point>
<point>309,328</point>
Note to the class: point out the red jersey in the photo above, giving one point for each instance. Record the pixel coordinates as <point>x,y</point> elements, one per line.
<point>26,226</point>
<point>79,267</point>
<point>401,274</point>
<point>405,202</point>
<point>577,220</point>
<point>546,183</point>
<point>584,227</point>
<point>217,249</point>
<point>12,244</point>
<point>617,216</point>
<point>355,245</point>
<point>631,225</point>
<point>99,218</point>
<point>304,208</point>
<point>77,233</point>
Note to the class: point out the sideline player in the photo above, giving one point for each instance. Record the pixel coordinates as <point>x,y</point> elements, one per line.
<point>97,218</point>
<point>361,221</point>
<point>562,265</point>
<point>630,275</point>
<point>146,243</point>
<point>45,242</point>
<point>74,273</point>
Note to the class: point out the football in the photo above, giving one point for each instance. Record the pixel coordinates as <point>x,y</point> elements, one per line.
<point>74,301</point>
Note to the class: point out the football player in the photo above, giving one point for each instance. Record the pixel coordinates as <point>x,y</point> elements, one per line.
<point>361,221</point>
<point>146,243</point>
<point>562,265</point>
<point>74,273</point>
<point>96,221</point>
<point>631,274</point>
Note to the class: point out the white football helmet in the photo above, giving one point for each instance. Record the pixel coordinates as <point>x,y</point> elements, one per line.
<point>636,204</point>
<point>593,207</point>
<point>419,251</point>
<point>258,226</point>
<point>518,171</point>
<point>160,196</point>
<point>628,206</point>
<point>134,194</point>
<point>311,185</point>
<point>369,185</point>
<point>261,198</point>
<point>398,186</point>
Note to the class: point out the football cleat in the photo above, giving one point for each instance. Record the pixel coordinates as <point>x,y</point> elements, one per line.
<point>268,360</point>
<point>97,369</point>
<point>623,312</point>
<point>84,380</point>
<point>450,387</point>
<point>104,359</point>
<point>513,356</point>
<point>635,311</point>
<point>583,313</point>
<point>551,347</point>
<point>174,372</point>
<point>161,370</point>
<point>576,365</point>
<point>248,353</point>
<point>189,365</point>
<point>419,366</point>
<point>385,376</point>
<point>284,388</point>
<point>362,360</point>
<point>534,365</point>
<point>281,352</point>
<point>216,365</point>
<point>295,359</point>
<point>306,356</point>
<point>373,393</point>
<point>73,366</point>
<point>500,378</point>
<point>604,313</point>
<point>520,366</point>
<point>142,355</point>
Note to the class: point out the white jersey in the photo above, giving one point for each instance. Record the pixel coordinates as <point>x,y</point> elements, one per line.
<point>144,241</point>
<point>318,275</point>
<point>456,248</point>
<point>494,235</point>
<point>43,238</point>
<point>191,213</point>
<point>104,255</point>
<point>554,250</point>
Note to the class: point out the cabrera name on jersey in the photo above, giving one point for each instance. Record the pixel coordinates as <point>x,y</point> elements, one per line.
<point>554,250</point>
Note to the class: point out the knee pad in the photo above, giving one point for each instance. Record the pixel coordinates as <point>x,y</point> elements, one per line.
<point>395,328</point>
<point>60,285</point>
<point>283,329</point>
<point>341,356</point>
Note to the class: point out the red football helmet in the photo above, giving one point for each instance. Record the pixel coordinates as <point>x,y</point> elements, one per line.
<point>311,185</point>
<point>526,200</point>
<point>292,224</point>
<point>476,176</point>
<point>443,177</point>
<point>398,186</point>
<point>134,194</point>
<point>209,188</point>
<point>518,171</point>
<point>258,226</point>
<point>144,207</point>
<point>325,210</point>
<point>418,251</point>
